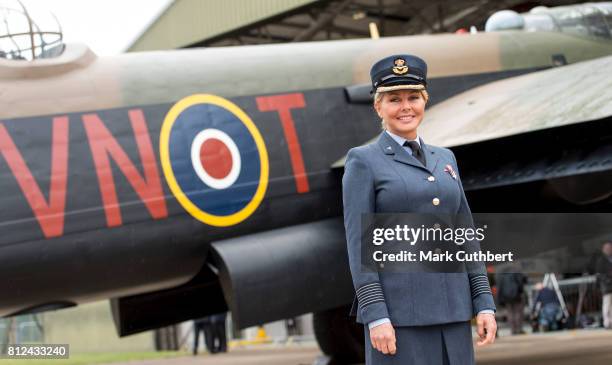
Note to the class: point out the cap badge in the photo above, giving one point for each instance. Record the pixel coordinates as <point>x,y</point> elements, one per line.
<point>400,67</point>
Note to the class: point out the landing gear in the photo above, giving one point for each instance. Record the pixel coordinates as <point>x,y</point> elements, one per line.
<point>339,336</point>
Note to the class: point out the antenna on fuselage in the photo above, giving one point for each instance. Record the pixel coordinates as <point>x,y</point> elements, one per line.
<point>374,31</point>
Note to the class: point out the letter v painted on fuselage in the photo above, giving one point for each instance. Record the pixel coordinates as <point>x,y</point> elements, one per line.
<point>50,215</point>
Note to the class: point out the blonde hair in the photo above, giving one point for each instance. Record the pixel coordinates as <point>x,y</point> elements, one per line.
<point>378,95</point>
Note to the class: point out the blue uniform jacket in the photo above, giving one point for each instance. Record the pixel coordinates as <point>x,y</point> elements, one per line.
<point>382,177</point>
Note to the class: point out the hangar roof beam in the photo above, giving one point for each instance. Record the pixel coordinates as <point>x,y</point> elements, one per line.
<point>322,21</point>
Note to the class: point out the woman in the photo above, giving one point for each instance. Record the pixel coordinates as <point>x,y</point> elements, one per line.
<point>410,318</point>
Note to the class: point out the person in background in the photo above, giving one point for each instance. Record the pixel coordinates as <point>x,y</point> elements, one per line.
<point>510,292</point>
<point>546,309</point>
<point>201,325</point>
<point>215,336</point>
<point>218,333</point>
<point>604,276</point>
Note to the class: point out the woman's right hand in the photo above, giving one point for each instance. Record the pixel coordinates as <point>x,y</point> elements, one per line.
<point>382,338</point>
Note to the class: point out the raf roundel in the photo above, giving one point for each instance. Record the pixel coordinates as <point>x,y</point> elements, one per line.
<point>214,159</point>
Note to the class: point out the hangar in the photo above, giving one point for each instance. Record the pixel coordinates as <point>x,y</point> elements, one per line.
<point>215,23</point>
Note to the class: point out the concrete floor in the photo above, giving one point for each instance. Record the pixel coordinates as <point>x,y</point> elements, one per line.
<point>264,355</point>
<point>592,347</point>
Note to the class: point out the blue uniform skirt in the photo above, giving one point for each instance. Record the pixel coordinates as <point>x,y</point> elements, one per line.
<point>447,344</point>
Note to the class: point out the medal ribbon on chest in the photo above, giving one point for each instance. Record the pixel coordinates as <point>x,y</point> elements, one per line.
<point>451,171</point>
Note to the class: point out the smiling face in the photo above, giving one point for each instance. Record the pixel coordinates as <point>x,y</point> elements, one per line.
<point>402,111</point>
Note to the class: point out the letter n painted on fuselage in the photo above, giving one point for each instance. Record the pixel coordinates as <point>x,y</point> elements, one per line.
<point>50,215</point>
<point>103,145</point>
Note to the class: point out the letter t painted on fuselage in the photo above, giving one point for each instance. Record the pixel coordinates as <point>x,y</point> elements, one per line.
<point>283,104</point>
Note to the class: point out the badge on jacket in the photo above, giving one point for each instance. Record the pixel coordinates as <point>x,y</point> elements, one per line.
<point>451,171</point>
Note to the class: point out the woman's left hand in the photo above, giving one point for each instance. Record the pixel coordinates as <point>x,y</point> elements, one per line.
<point>487,328</point>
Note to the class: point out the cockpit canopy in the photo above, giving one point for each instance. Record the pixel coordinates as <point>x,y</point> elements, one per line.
<point>589,19</point>
<point>28,34</point>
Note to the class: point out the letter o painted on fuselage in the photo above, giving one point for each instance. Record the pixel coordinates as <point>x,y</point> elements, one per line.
<point>214,159</point>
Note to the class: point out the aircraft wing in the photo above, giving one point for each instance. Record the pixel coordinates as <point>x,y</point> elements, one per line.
<point>571,94</point>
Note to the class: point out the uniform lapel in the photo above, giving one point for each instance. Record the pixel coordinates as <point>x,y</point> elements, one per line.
<point>431,157</point>
<point>397,152</point>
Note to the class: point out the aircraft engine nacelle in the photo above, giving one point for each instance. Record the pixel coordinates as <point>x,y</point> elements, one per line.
<point>284,272</point>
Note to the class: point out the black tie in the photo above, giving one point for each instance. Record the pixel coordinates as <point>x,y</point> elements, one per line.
<point>417,152</point>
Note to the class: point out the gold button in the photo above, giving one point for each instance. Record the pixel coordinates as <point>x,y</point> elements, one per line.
<point>431,178</point>
<point>436,201</point>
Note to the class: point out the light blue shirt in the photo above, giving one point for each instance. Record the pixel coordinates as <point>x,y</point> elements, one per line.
<point>400,140</point>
